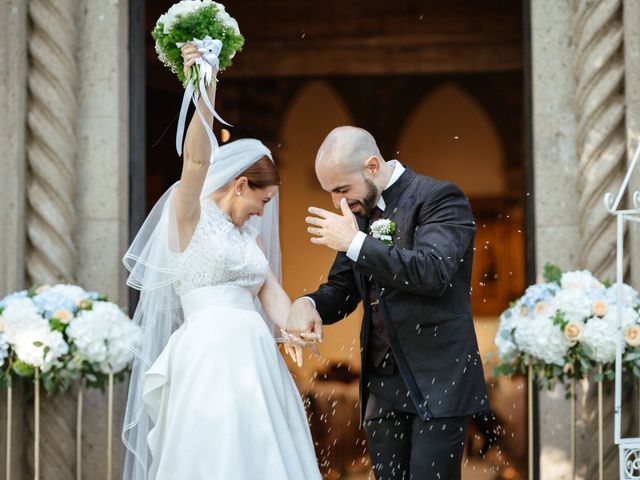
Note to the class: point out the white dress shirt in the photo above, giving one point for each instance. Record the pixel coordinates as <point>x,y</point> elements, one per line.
<point>353,252</point>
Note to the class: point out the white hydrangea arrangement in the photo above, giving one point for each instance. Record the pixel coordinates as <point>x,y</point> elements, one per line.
<point>566,326</point>
<point>37,330</point>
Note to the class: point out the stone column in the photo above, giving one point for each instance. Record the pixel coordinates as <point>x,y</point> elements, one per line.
<point>102,192</point>
<point>52,179</point>
<point>555,191</point>
<point>51,143</point>
<point>600,141</point>
<point>13,72</point>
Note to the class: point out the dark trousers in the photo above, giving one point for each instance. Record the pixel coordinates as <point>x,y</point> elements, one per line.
<point>401,444</point>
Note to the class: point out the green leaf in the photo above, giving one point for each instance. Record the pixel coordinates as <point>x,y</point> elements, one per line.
<point>552,273</point>
<point>57,325</point>
<point>22,369</point>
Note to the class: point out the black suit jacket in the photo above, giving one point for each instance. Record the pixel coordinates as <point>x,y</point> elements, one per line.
<point>426,277</point>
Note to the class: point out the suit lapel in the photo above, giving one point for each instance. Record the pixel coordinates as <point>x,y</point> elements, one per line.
<point>393,194</point>
<point>362,225</point>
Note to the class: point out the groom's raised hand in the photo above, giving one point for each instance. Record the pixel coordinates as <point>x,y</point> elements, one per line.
<point>334,231</point>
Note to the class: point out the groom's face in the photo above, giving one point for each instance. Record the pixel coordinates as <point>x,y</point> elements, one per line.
<point>361,193</point>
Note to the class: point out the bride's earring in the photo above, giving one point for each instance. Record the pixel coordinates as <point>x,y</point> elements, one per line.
<point>238,193</point>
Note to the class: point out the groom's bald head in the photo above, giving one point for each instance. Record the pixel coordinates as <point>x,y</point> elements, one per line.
<point>349,165</point>
<point>347,148</point>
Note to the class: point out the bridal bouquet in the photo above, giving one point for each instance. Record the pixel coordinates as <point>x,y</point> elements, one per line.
<point>47,328</point>
<point>568,325</point>
<point>208,26</point>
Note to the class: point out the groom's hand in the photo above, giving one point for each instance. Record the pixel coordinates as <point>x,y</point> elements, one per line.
<point>304,322</point>
<point>334,231</point>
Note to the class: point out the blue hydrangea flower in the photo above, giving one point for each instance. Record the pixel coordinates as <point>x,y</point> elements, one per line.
<point>48,302</point>
<point>5,301</point>
<point>537,293</point>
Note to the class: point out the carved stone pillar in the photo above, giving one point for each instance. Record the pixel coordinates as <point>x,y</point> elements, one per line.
<point>51,144</point>
<point>601,137</point>
<point>51,218</point>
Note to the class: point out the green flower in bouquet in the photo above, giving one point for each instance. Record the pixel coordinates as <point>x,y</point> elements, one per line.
<point>195,19</point>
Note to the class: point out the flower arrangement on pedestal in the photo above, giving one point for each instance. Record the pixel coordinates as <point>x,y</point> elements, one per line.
<point>567,326</point>
<point>67,334</point>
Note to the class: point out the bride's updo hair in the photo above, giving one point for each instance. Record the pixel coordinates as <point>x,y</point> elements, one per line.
<point>262,174</point>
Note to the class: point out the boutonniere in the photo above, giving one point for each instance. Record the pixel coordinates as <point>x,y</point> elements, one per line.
<point>383,229</point>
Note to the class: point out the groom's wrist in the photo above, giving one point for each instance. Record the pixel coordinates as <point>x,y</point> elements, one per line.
<point>353,252</point>
<point>313,302</point>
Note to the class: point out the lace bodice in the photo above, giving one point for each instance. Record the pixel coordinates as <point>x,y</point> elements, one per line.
<point>220,254</point>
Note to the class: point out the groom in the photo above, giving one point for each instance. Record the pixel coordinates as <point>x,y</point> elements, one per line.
<point>422,374</point>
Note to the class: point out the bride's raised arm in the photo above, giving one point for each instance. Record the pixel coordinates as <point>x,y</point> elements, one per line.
<point>196,160</point>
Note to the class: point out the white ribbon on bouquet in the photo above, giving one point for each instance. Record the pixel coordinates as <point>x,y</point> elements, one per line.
<point>207,66</point>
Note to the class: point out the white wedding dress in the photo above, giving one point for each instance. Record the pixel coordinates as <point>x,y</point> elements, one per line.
<point>222,400</point>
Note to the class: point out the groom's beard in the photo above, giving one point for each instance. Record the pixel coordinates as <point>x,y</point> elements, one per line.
<point>368,203</point>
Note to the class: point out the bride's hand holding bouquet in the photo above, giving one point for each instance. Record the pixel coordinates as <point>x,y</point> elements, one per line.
<point>203,26</point>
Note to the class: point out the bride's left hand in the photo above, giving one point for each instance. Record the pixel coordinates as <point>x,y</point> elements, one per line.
<point>294,346</point>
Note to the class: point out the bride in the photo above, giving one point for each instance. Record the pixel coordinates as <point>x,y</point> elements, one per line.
<point>210,395</point>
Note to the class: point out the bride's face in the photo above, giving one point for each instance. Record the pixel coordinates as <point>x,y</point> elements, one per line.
<point>248,202</point>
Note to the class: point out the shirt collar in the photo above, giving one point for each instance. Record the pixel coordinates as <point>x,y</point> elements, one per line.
<point>398,170</point>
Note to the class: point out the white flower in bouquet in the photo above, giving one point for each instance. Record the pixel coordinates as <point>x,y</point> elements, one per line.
<point>4,348</point>
<point>599,308</point>
<point>573,331</point>
<point>104,336</point>
<point>632,336</point>
<point>542,339</point>
<point>629,295</point>
<point>534,295</point>
<point>123,337</point>
<point>12,296</point>
<point>506,346</point>
<point>51,301</point>
<point>574,302</point>
<point>600,334</point>
<point>39,346</point>
<point>73,292</point>
<point>186,7</point>
<point>21,314</point>
<point>581,279</point>
<point>504,338</point>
